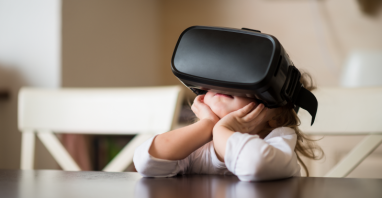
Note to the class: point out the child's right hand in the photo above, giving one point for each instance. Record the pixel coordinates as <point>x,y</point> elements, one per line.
<point>203,111</point>
<point>249,119</point>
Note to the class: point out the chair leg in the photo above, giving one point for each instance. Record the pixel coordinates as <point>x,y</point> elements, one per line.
<point>355,156</point>
<point>58,151</point>
<point>27,150</point>
<point>125,157</point>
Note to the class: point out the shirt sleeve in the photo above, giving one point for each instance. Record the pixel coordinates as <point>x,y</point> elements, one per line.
<point>254,159</point>
<point>149,166</point>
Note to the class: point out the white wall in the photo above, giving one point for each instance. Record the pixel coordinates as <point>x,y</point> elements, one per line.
<point>30,40</point>
<point>30,51</point>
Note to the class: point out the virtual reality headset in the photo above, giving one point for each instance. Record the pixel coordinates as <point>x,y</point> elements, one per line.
<point>241,62</point>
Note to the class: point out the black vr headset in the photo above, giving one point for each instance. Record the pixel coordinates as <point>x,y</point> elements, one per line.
<point>240,62</point>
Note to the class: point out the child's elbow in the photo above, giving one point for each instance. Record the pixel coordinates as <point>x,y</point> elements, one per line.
<point>142,164</point>
<point>257,172</point>
<point>154,172</point>
<point>146,172</point>
<point>141,167</point>
<point>148,167</point>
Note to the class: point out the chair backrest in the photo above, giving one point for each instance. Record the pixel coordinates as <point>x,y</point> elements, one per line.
<point>99,110</point>
<point>362,69</point>
<point>345,111</point>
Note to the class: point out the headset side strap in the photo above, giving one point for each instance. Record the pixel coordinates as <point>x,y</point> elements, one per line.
<point>307,101</point>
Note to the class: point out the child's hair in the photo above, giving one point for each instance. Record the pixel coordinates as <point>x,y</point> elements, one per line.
<point>287,117</point>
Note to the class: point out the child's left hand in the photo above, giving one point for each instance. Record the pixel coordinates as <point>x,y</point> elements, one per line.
<point>244,120</point>
<point>203,111</point>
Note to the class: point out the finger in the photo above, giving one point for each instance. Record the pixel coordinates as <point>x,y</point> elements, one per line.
<point>198,103</point>
<point>245,110</point>
<point>199,99</point>
<point>255,113</point>
<point>262,114</point>
<point>194,108</point>
<point>195,104</point>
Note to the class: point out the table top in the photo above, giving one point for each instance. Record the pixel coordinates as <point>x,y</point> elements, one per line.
<point>55,183</point>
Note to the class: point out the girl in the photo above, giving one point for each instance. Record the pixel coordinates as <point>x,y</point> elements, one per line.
<point>234,135</point>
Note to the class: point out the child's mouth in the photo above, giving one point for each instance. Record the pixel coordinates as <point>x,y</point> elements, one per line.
<point>224,95</point>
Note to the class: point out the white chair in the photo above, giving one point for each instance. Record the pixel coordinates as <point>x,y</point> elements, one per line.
<point>347,111</point>
<point>363,68</point>
<point>143,111</point>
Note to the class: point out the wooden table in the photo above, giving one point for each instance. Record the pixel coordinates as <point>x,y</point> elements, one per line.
<point>54,183</point>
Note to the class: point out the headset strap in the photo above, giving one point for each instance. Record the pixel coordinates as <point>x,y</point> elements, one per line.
<point>306,100</point>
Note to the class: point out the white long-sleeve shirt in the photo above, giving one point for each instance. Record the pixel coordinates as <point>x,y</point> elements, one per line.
<point>247,156</point>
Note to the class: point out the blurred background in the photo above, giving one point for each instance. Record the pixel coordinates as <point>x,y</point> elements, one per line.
<point>128,43</point>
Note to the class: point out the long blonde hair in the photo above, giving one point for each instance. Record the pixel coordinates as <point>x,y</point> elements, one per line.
<point>287,117</point>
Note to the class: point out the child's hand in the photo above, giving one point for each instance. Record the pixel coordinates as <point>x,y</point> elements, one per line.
<point>203,111</point>
<point>244,120</point>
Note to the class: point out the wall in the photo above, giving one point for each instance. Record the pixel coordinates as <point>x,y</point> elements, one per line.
<point>111,43</point>
<point>30,48</point>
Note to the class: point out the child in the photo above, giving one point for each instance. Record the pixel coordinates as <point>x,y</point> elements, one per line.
<point>234,135</point>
